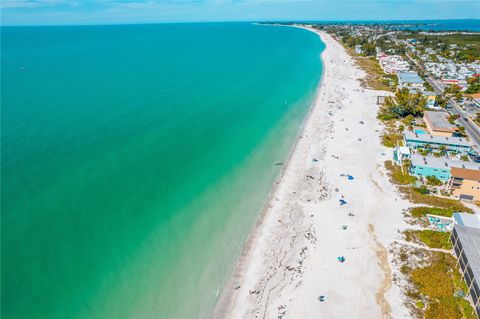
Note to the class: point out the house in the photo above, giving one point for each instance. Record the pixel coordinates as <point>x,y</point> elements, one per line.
<point>474,98</point>
<point>465,183</point>
<point>401,153</point>
<point>431,100</point>
<point>465,240</point>
<point>418,140</point>
<point>441,168</point>
<point>411,81</point>
<point>438,124</point>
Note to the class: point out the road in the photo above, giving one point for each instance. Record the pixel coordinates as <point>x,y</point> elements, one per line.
<point>471,129</point>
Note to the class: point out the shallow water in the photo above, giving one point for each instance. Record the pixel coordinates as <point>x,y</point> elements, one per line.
<point>135,160</point>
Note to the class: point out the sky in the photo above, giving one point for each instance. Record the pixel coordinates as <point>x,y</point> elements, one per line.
<point>61,12</point>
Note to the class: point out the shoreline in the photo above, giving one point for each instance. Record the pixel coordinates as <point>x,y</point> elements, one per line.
<point>225,297</point>
<point>293,246</point>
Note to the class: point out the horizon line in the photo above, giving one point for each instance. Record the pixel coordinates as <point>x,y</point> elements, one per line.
<point>229,21</point>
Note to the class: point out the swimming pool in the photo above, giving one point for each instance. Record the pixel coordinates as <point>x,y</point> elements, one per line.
<point>420,132</point>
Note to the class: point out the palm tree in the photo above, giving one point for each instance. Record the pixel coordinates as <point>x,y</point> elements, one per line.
<point>442,148</point>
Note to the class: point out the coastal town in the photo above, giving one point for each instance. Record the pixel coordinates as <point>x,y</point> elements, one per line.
<point>429,106</point>
<point>381,195</point>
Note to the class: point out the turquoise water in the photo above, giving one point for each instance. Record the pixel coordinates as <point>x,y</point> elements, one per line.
<point>420,132</point>
<point>135,160</point>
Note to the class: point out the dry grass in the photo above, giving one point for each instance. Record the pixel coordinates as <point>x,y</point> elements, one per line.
<point>431,238</point>
<point>376,79</point>
<point>421,211</point>
<point>391,139</point>
<point>397,176</point>
<point>436,284</point>
<point>446,203</point>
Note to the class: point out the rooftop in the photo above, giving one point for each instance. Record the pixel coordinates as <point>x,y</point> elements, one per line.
<point>404,150</point>
<point>409,77</point>
<point>471,174</point>
<point>473,96</point>
<point>442,163</point>
<point>427,138</point>
<point>439,121</point>
<point>467,220</point>
<point>470,240</point>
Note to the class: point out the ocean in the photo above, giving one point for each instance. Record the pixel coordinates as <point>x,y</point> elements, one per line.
<point>135,160</point>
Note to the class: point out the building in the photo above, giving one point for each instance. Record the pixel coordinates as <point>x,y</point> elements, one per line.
<point>465,183</point>
<point>441,168</point>
<point>438,124</point>
<point>411,81</point>
<point>418,140</point>
<point>431,100</point>
<point>474,99</point>
<point>401,153</point>
<point>392,64</point>
<point>465,240</point>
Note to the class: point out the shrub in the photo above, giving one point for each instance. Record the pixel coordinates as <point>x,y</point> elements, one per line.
<point>435,239</point>
<point>466,308</point>
<point>416,197</point>
<point>397,176</point>
<point>433,281</point>
<point>420,304</point>
<point>391,139</point>
<point>422,190</point>
<point>434,181</point>
<point>424,152</point>
<point>424,210</point>
<point>446,309</point>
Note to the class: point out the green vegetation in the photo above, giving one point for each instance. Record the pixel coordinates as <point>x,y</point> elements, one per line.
<point>453,118</point>
<point>464,158</point>
<point>473,88</point>
<point>422,190</point>
<point>437,285</point>
<point>433,181</point>
<point>397,176</point>
<point>424,152</point>
<point>452,89</point>
<point>433,281</point>
<point>473,85</point>
<point>401,105</point>
<point>391,139</point>
<point>468,46</point>
<point>417,197</point>
<point>434,239</point>
<point>376,79</point>
<point>446,308</point>
<point>420,304</point>
<point>477,118</point>
<point>441,101</point>
<point>421,211</point>
<point>431,238</point>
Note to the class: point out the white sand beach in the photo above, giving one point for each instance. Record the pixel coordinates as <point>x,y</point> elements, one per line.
<point>290,258</point>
